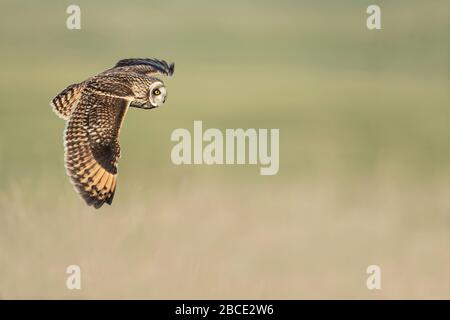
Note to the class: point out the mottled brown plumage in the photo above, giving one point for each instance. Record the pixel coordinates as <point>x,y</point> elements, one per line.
<point>94,110</point>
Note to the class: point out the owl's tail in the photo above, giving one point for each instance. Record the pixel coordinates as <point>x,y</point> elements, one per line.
<point>64,103</point>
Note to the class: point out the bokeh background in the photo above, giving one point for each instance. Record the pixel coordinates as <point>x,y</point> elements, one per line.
<point>364,152</point>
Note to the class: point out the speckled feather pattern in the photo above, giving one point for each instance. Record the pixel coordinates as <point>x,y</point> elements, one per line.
<point>94,110</point>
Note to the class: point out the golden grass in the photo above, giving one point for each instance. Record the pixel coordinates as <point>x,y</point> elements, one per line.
<point>200,239</point>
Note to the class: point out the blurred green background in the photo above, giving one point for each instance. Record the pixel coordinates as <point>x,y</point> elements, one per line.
<point>364,151</point>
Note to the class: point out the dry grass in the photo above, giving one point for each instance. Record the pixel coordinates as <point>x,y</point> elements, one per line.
<point>203,240</point>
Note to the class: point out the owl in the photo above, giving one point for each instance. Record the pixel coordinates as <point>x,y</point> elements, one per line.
<point>94,111</point>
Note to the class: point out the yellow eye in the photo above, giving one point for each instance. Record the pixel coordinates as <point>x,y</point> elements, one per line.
<point>156,92</point>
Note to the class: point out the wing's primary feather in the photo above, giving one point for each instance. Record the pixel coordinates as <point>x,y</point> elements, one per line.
<point>92,149</point>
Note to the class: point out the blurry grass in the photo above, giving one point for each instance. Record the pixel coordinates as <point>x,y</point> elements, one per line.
<point>221,242</point>
<point>365,157</point>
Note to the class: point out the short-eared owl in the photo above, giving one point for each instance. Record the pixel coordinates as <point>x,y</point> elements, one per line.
<point>94,110</point>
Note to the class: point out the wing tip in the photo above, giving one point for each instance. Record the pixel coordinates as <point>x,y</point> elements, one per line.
<point>93,201</point>
<point>160,65</point>
<point>90,194</point>
<point>171,68</point>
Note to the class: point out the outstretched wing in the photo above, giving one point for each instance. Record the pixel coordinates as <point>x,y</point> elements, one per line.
<point>144,66</point>
<point>92,149</point>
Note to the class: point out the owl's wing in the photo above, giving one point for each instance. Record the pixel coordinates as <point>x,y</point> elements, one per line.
<point>92,149</point>
<point>144,66</point>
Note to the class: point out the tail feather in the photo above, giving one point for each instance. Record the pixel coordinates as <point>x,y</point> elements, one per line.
<point>64,103</point>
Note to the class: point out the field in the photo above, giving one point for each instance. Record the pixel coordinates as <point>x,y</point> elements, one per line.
<point>364,176</point>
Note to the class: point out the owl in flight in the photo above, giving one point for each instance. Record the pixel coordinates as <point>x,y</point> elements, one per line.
<point>94,111</point>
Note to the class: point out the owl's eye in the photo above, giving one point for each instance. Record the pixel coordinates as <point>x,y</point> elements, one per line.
<point>156,92</point>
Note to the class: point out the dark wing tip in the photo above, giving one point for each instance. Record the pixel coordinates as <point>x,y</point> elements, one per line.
<point>94,201</point>
<point>158,65</point>
<point>171,68</point>
<point>98,204</point>
<point>89,199</point>
<point>109,200</point>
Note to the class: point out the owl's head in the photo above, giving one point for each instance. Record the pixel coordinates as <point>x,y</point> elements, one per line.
<point>157,94</point>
